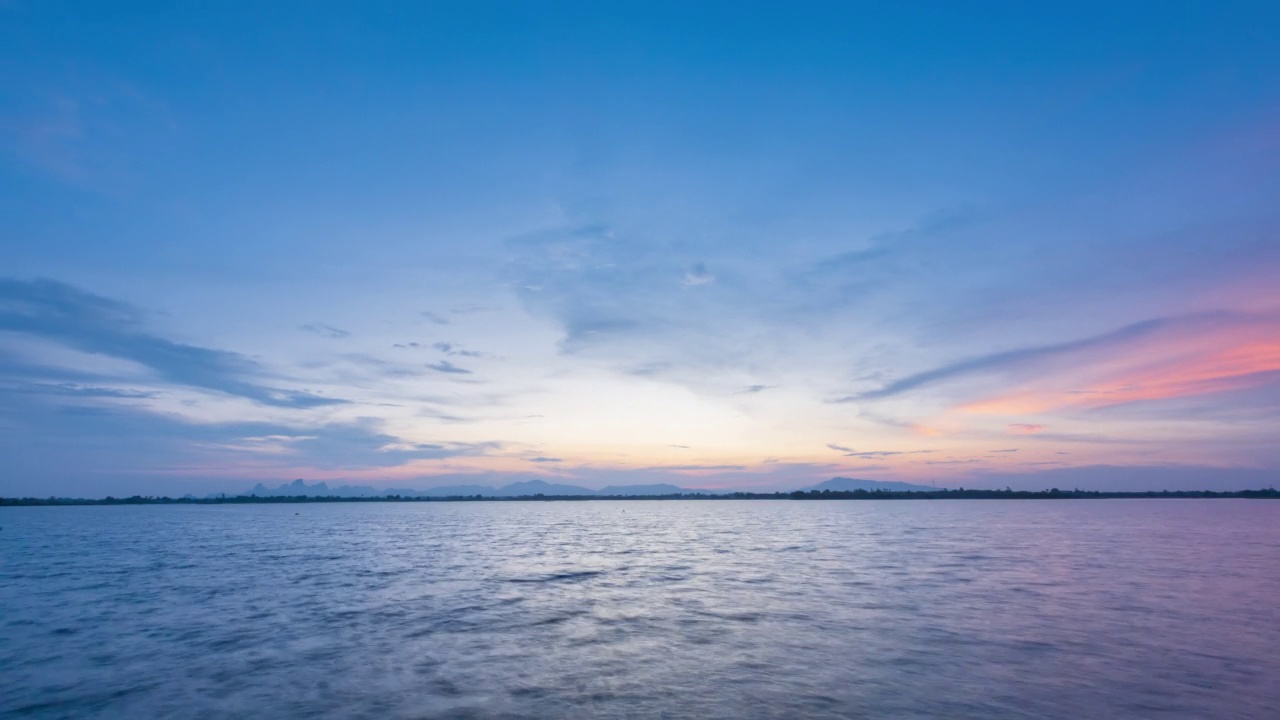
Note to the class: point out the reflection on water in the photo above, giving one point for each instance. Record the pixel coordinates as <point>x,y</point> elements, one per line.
<point>955,609</point>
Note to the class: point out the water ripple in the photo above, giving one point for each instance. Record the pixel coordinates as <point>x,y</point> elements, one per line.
<point>1125,609</point>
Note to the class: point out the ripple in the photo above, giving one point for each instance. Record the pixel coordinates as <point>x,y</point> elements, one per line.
<point>560,577</point>
<point>720,609</point>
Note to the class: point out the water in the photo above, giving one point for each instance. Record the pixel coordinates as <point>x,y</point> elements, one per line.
<point>947,609</point>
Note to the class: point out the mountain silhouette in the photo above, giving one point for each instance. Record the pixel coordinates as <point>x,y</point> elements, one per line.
<point>844,484</point>
<point>526,488</point>
<point>655,489</point>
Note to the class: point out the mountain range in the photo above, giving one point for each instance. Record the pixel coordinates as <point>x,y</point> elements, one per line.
<point>844,484</point>
<point>527,488</point>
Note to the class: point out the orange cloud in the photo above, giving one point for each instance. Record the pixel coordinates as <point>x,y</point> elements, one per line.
<point>1212,360</point>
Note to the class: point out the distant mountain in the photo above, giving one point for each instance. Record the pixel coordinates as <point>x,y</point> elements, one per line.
<point>657,489</point>
<point>541,487</point>
<point>299,488</point>
<point>844,484</point>
<point>526,488</point>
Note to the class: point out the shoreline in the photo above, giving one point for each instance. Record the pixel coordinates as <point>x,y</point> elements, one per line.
<point>959,494</point>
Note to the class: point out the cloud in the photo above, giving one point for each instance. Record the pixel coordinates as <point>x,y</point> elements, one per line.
<point>613,296</point>
<point>445,366</point>
<point>1203,355</point>
<point>79,391</point>
<point>1163,358</point>
<point>470,309</point>
<point>129,442</point>
<point>452,349</point>
<point>392,446</point>
<point>1025,428</point>
<point>873,454</point>
<point>584,334</point>
<point>653,369</point>
<point>370,364</point>
<point>545,460</point>
<point>323,330</point>
<point>885,271</point>
<point>438,320</point>
<point>94,324</point>
<point>1084,438</point>
<point>609,288</point>
<point>1011,358</point>
<point>690,468</point>
<point>444,416</point>
<point>697,275</point>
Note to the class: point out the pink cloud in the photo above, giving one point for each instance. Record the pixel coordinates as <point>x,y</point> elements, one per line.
<point>1199,359</point>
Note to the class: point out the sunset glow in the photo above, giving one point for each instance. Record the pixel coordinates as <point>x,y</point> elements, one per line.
<point>438,250</point>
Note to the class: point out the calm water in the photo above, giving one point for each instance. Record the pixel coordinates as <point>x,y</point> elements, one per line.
<point>948,609</point>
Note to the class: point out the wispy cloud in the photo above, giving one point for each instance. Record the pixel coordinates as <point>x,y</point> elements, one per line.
<point>113,435</point>
<point>323,330</point>
<point>613,297</point>
<point>470,309</point>
<point>454,349</point>
<point>94,324</point>
<point>80,391</point>
<point>1195,356</point>
<point>1011,358</point>
<point>445,366</point>
<point>698,275</point>
<point>873,454</point>
<point>690,468</point>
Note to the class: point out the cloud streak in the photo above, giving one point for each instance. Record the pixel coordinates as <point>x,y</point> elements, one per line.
<point>323,330</point>
<point>447,367</point>
<point>1012,358</point>
<point>454,349</point>
<point>94,324</point>
<point>1186,359</point>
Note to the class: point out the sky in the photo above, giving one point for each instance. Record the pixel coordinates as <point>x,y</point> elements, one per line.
<point>719,245</point>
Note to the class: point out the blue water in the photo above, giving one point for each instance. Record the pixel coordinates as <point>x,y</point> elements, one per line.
<point>712,609</point>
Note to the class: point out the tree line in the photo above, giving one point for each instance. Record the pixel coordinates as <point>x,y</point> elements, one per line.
<point>940,494</point>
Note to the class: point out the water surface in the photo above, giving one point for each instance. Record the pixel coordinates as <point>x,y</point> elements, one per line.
<point>746,609</point>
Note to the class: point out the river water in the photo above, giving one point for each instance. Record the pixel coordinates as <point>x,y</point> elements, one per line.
<point>707,609</point>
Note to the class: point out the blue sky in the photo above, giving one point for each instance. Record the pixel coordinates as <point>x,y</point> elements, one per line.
<point>747,245</point>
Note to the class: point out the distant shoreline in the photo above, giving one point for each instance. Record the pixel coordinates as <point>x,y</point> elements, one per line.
<point>960,494</point>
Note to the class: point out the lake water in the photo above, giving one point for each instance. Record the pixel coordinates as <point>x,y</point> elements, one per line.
<point>711,609</point>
